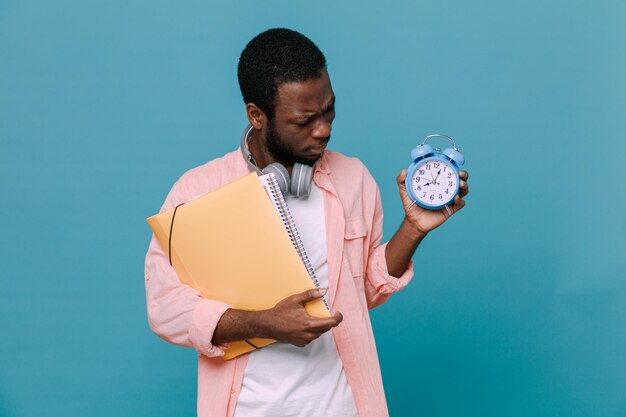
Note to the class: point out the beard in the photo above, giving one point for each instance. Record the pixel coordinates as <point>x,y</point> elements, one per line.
<point>283,152</point>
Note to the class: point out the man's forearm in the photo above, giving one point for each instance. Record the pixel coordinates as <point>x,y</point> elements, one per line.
<point>288,321</point>
<point>235,325</point>
<point>401,248</point>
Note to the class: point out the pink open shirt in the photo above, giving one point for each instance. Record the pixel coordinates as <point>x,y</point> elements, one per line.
<point>357,275</point>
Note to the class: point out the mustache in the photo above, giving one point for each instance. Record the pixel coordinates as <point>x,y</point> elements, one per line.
<point>325,140</point>
<point>321,143</point>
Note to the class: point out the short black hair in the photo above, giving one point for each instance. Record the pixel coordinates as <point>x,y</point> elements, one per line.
<point>275,57</point>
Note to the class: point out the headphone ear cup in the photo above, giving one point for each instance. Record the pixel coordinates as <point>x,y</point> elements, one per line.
<point>281,174</point>
<point>298,184</point>
<point>301,177</point>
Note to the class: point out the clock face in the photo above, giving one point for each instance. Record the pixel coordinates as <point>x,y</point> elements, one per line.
<point>434,183</point>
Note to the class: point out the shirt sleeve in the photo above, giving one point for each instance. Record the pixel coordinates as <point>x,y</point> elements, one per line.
<point>176,312</point>
<point>379,285</point>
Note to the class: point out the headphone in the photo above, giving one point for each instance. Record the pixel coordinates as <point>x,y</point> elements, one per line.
<point>297,185</point>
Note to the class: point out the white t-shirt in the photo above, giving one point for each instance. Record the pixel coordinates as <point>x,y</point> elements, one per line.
<point>282,380</point>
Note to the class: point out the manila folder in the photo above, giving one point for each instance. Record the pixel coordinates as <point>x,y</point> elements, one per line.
<point>231,245</point>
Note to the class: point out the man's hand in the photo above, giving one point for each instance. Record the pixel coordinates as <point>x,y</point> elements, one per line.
<point>288,321</point>
<point>417,223</point>
<point>422,220</point>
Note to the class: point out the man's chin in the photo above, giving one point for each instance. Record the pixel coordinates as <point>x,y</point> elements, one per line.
<point>310,159</point>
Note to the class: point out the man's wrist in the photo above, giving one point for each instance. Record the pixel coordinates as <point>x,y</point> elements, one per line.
<point>260,322</point>
<point>412,231</point>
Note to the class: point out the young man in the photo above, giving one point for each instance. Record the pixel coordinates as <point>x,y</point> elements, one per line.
<point>310,371</point>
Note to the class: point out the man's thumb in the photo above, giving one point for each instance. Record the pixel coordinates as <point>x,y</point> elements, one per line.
<point>310,295</point>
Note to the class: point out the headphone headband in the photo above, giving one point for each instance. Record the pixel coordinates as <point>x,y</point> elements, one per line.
<point>246,152</point>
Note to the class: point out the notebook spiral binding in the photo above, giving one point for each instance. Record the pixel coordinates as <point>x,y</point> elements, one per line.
<point>290,226</point>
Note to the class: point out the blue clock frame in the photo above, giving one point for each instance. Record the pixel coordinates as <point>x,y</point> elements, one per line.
<point>423,153</point>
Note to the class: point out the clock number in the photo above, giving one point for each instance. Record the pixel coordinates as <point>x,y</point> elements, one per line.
<point>432,197</point>
<point>449,175</point>
<point>424,195</point>
<point>440,196</point>
<point>436,164</point>
<point>428,167</point>
<point>419,188</point>
<point>422,172</point>
<point>449,183</point>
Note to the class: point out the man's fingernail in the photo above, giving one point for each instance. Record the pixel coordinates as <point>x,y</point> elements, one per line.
<point>322,291</point>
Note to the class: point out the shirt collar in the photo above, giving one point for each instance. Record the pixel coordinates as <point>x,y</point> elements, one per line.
<point>322,164</point>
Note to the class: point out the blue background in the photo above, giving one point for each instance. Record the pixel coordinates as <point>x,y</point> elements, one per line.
<point>518,306</point>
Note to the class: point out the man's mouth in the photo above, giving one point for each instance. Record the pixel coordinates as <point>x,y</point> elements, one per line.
<point>318,149</point>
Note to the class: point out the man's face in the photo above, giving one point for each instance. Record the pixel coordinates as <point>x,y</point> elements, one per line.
<point>303,116</point>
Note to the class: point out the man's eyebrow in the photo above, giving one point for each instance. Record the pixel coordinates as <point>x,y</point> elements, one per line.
<point>330,105</point>
<point>309,114</point>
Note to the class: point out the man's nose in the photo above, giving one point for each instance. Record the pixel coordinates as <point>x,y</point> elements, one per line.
<point>322,128</point>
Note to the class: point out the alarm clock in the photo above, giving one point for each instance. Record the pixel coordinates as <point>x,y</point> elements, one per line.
<point>432,179</point>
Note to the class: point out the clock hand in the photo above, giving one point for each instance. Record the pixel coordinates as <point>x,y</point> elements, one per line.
<point>438,172</point>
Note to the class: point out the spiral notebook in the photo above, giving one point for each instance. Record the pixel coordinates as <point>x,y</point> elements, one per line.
<point>239,244</point>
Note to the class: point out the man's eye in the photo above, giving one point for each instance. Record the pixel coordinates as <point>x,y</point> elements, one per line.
<point>303,123</point>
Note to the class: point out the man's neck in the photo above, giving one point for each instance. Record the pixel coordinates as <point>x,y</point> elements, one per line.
<point>258,149</point>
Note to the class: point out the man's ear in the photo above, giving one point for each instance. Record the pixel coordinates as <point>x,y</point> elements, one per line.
<point>256,116</point>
